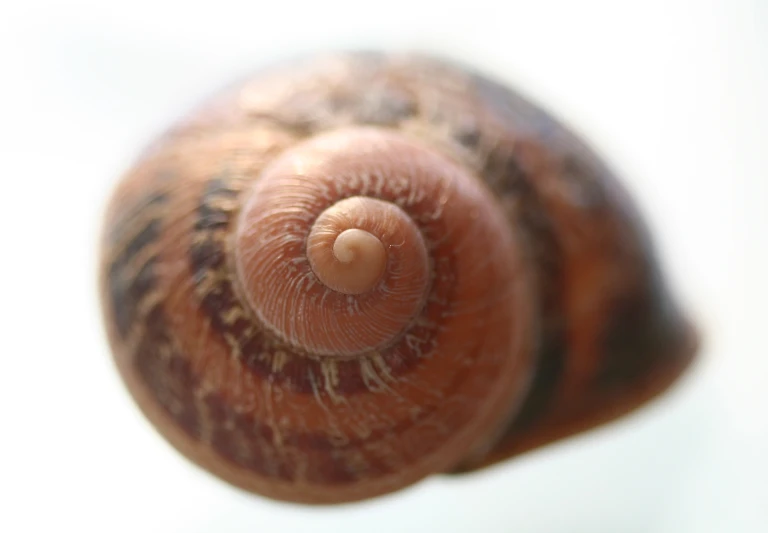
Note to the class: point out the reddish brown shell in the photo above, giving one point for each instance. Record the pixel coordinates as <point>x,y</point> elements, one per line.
<point>519,301</point>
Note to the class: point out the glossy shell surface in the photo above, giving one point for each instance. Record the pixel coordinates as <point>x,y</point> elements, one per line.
<point>590,332</point>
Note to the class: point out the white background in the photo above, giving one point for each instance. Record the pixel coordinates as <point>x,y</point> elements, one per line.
<point>673,93</point>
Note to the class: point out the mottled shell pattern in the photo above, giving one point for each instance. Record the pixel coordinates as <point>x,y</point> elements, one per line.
<point>346,273</point>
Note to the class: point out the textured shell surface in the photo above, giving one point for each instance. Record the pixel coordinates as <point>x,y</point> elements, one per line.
<point>591,328</point>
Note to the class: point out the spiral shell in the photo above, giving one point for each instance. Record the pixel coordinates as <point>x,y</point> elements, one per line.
<point>347,273</point>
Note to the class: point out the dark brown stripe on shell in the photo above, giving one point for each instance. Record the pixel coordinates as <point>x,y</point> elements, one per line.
<point>246,441</point>
<point>129,282</point>
<point>549,369</point>
<point>127,292</point>
<point>129,220</point>
<point>641,335</point>
<point>504,174</point>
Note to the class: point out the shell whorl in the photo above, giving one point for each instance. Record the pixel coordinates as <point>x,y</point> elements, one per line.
<point>345,193</point>
<point>442,282</point>
<point>379,189</point>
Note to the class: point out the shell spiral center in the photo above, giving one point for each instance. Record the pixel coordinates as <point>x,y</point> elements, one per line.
<point>327,252</point>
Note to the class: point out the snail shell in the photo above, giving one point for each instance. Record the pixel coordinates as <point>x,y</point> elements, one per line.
<point>350,272</point>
